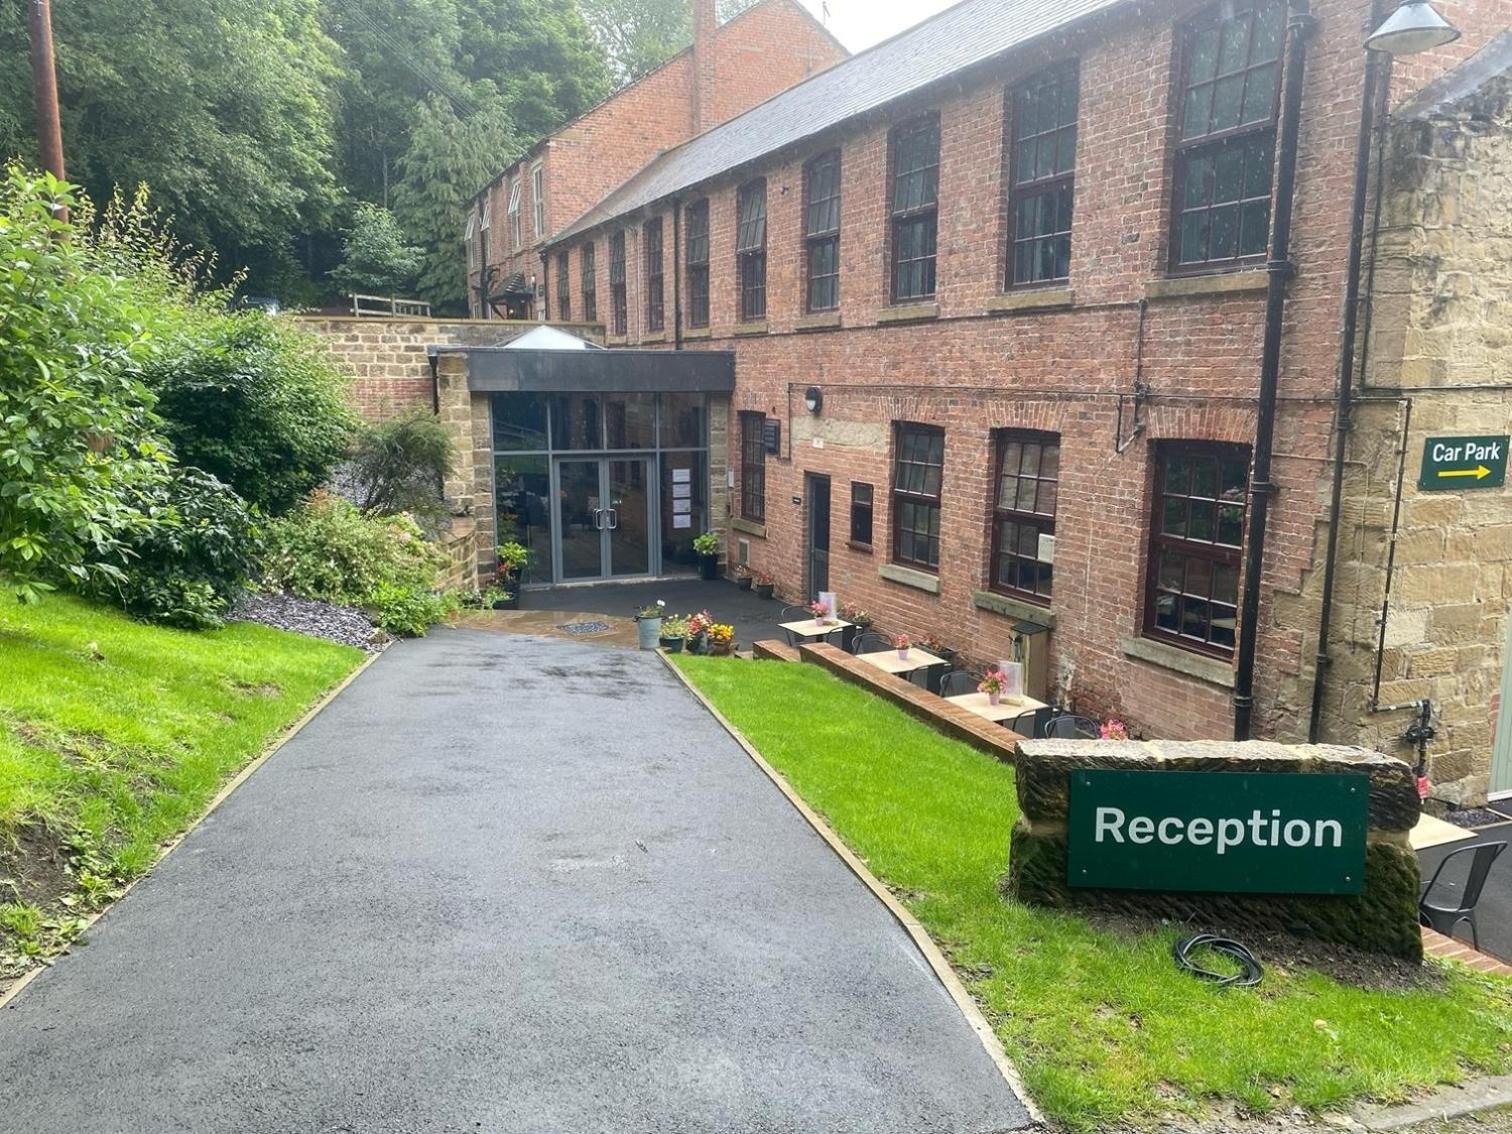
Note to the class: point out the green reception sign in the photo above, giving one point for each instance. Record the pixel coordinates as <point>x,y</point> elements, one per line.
<point>1457,463</point>
<point>1232,832</point>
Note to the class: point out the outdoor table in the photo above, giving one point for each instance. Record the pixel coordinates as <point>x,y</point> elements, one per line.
<point>889,662</point>
<point>1432,831</point>
<point>1005,710</point>
<point>813,628</point>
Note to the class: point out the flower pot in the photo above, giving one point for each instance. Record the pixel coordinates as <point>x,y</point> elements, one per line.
<point>903,654</point>
<point>672,645</point>
<point>743,582</point>
<point>698,644</point>
<point>995,697</point>
<point>511,603</point>
<point>648,632</point>
<point>848,638</point>
<point>708,568</point>
<point>721,649</point>
<point>764,590</point>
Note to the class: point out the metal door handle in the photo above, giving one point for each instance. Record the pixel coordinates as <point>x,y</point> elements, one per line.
<point>598,519</point>
<point>613,519</point>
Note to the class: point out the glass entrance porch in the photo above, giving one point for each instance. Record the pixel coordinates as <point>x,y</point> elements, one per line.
<point>601,485</point>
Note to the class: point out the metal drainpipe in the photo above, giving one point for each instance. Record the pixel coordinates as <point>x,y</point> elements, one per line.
<point>1345,404</point>
<point>1279,269</point>
<point>677,343</point>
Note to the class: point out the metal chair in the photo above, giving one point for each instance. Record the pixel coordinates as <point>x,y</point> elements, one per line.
<point>956,682</point>
<point>870,642</point>
<point>1444,918</point>
<point>794,614</point>
<point>1027,725</point>
<point>1069,726</point>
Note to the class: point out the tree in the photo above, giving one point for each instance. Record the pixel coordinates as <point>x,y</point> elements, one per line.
<point>375,257</point>
<point>225,109</point>
<point>449,160</point>
<point>641,35</point>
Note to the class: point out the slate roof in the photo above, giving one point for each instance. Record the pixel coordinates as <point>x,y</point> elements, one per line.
<point>972,32</point>
<point>1443,93</point>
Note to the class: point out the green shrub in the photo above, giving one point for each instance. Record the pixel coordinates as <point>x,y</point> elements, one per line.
<point>408,612</point>
<point>255,402</point>
<point>327,549</point>
<point>399,466</point>
<point>195,551</point>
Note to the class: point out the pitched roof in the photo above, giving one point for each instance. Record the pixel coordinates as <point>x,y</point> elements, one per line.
<point>1491,62</point>
<point>971,32</point>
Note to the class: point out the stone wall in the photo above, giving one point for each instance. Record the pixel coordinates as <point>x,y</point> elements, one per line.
<point>1382,918</point>
<point>1436,364</point>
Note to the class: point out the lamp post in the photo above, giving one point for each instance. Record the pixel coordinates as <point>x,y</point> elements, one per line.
<point>45,86</point>
<point>1414,27</point>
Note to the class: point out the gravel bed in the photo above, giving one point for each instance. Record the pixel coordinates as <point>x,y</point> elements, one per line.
<point>344,624</point>
<point>1472,817</point>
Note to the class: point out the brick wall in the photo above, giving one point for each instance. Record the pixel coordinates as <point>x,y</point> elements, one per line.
<point>766,49</point>
<point>975,359</point>
<point>387,357</point>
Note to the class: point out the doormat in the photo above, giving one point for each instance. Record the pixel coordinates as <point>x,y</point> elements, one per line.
<point>584,628</point>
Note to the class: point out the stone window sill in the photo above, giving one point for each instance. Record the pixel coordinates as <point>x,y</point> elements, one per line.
<point>1013,608</point>
<point>909,313</point>
<point>617,340</point>
<point>750,527</point>
<point>696,333</point>
<point>1212,283</point>
<point>1214,671</point>
<point>1032,299</point>
<point>908,577</point>
<point>654,337</point>
<point>819,321</point>
<point>863,548</point>
<point>757,327</point>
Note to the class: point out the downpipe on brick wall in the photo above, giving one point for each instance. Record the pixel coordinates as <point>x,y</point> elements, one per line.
<point>1279,271</point>
<point>1375,63</point>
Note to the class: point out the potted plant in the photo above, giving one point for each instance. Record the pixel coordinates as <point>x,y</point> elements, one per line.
<point>514,558</point>
<point>698,632</point>
<point>707,546</point>
<point>859,621</point>
<point>821,612</point>
<point>497,598</point>
<point>993,683</point>
<point>673,630</point>
<point>763,584</point>
<point>742,577</point>
<point>902,644</point>
<point>648,622</point>
<point>721,639</point>
<point>939,649</point>
<point>1114,729</point>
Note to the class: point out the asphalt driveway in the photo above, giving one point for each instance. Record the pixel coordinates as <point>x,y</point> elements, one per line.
<point>501,884</point>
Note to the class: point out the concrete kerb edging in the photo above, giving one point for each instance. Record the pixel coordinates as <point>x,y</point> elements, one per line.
<point>916,932</point>
<point>1444,1104</point>
<point>221,796</point>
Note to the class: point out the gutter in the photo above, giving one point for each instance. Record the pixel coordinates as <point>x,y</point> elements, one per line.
<point>1279,269</point>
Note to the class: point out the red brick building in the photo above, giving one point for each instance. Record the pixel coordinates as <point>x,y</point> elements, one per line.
<point>996,297</point>
<point>727,70</point>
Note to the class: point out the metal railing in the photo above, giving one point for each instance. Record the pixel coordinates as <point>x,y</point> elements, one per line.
<point>388,307</point>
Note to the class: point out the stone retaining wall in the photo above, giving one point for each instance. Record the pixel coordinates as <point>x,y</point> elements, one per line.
<point>1382,918</point>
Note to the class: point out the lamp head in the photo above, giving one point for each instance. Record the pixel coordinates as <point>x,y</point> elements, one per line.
<point>1415,26</point>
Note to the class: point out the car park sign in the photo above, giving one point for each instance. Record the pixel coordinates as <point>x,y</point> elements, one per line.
<point>1452,464</point>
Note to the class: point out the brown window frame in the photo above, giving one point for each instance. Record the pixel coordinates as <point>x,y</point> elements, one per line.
<point>619,310</point>
<point>750,249</point>
<point>906,501</point>
<point>753,466</point>
<point>1032,518</point>
<point>858,507</point>
<point>821,232</point>
<point>564,286</point>
<point>1055,191</point>
<point>1229,496</point>
<point>1248,145</point>
<point>656,295</point>
<point>917,211</point>
<point>698,263</point>
<point>588,266</point>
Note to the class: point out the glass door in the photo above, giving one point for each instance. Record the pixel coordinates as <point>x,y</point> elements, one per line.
<point>629,495</point>
<point>581,523</point>
<point>605,518</point>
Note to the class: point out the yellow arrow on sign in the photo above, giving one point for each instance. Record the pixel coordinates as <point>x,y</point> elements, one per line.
<point>1479,472</point>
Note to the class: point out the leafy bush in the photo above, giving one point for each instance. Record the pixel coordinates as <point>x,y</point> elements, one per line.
<point>76,422</point>
<point>375,257</point>
<point>400,465</point>
<point>327,549</point>
<point>196,550</point>
<point>408,612</point>
<point>255,402</point>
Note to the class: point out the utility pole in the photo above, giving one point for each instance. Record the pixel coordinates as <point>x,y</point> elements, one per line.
<point>45,87</point>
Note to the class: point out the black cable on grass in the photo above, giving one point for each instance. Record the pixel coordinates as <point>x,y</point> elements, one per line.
<point>1248,977</point>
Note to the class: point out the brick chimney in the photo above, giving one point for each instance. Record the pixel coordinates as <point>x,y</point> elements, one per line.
<point>705,23</point>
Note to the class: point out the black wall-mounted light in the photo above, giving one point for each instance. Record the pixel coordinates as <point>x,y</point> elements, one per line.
<point>813,397</point>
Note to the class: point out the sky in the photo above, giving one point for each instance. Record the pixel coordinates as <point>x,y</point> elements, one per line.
<point>860,23</point>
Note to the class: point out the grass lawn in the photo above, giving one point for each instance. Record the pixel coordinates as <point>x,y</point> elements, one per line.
<point>114,736</point>
<point>1102,1025</point>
